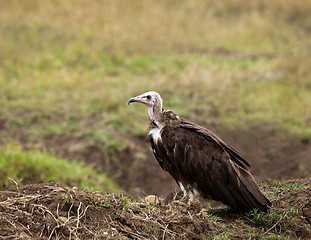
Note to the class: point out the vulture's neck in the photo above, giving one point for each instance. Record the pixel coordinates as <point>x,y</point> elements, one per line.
<point>156,114</point>
<point>157,121</point>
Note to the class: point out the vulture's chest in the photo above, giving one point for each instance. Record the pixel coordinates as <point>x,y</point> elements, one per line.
<point>155,133</point>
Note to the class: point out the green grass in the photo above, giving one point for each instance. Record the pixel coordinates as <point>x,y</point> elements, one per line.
<point>276,223</point>
<point>70,70</point>
<point>24,167</point>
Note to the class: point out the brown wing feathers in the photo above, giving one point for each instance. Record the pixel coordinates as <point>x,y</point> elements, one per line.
<point>156,153</point>
<point>199,159</point>
<point>209,135</point>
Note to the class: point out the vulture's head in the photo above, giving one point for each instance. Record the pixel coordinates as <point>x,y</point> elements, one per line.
<point>153,101</point>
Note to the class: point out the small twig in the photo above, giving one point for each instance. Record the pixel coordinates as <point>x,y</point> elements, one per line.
<point>78,216</point>
<point>57,208</point>
<point>164,232</point>
<point>42,231</point>
<point>19,224</point>
<point>16,184</point>
<point>69,211</point>
<point>44,208</point>
<point>10,237</point>
<point>190,216</point>
<point>123,229</point>
<point>10,222</point>
<point>275,224</point>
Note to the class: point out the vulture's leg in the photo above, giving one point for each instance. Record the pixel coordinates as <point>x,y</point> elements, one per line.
<point>193,194</point>
<point>182,188</point>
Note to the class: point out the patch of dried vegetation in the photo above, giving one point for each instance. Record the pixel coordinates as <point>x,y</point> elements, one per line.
<point>53,211</point>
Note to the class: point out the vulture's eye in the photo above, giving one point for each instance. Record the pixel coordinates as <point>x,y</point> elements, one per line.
<point>148,97</point>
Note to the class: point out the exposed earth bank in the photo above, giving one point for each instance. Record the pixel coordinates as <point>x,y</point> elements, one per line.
<point>271,154</point>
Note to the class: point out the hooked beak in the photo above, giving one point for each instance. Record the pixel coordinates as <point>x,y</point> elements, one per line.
<point>139,99</point>
<point>132,100</point>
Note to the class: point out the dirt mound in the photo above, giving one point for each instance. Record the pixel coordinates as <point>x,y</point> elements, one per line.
<point>48,211</point>
<point>271,155</point>
<point>52,211</point>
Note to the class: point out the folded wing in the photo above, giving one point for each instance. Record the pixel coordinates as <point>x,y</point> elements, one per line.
<point>203,163</point>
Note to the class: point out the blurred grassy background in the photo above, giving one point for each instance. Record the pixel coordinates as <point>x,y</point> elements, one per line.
<point>69,67</point>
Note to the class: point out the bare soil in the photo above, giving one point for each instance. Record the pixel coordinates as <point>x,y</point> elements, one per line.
<point>52,211</point>
<point>272,155</point>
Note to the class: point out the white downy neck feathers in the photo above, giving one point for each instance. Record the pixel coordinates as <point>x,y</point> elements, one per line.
<point>155,134</point>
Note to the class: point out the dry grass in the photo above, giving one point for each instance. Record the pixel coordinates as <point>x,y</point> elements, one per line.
<point>91,57</point>
<point>119,28</point>
<point>52,211</point>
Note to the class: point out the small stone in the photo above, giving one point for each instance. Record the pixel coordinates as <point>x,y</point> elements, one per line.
<point>282,204</point>
<point>63,219</point>
<point>152,199</point>
<point>24,236</point>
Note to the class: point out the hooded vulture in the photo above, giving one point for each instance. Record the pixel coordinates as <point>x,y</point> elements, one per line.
<point>200,162</point>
